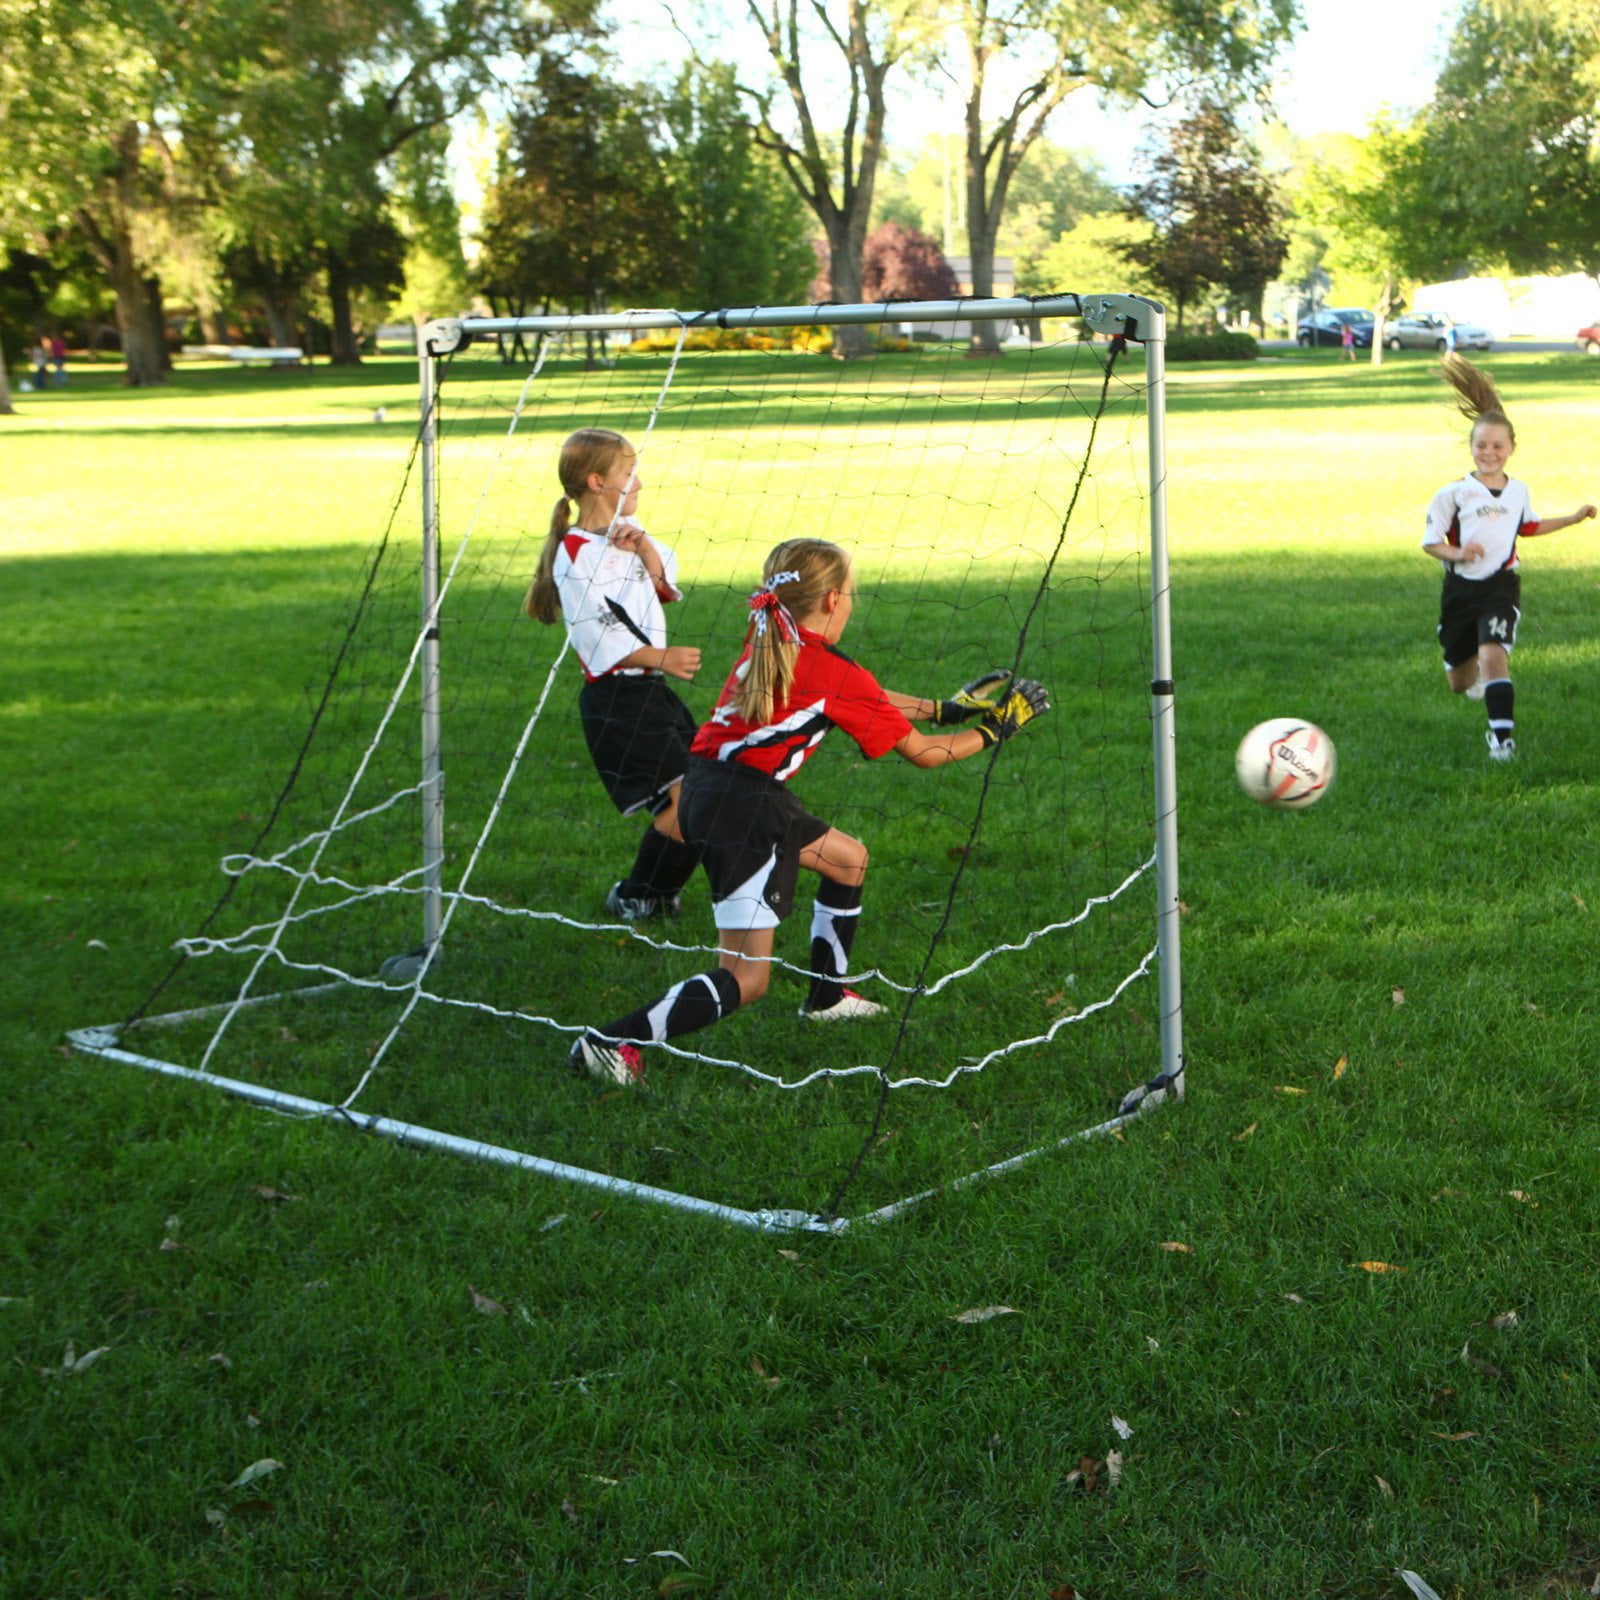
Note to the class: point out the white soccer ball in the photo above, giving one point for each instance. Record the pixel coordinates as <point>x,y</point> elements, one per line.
<point>1287,762</point>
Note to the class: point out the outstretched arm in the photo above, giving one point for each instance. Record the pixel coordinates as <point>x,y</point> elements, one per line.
<point>1556,524</point>
<point>1024,700</point>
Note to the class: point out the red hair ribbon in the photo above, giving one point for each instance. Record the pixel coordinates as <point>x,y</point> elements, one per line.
<point>766,600</point>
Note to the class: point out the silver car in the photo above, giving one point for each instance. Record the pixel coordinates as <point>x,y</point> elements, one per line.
<point>1426,330</point>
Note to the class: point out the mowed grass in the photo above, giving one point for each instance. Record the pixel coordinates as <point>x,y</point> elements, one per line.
<point>1391,1034</point>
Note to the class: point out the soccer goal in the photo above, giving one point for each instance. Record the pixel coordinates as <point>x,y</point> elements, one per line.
<point>419,929</point>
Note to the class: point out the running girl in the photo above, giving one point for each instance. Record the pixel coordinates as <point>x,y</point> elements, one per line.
<point>608,580</point>
<point>1473,527</point>
<point>789,687</point>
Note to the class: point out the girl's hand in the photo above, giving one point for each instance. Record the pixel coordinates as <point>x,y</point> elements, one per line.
<point>680,661</point>
<point>1471,552</point>
<point>626,535</point>
<point>1585,513</point>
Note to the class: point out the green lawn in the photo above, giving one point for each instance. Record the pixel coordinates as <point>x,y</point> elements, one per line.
<point>1389,1016</point>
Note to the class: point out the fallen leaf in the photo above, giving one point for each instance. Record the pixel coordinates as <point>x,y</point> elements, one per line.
<point>287,1036</point>
<point>170,1244</point>
<point>761,1372</point>
<point>1120,1428</point>
<point>481,1302</point>
<point>569,1511</point>
<point>1247,1132</point>
<point>984,1313</point>
<point>220,1360</point>
<point>256,1471</point>
<point>1113,1468</point>
<point>1297,1300</point>
<point>1289,1088</point>
<point>252,1419</point>
<point>791,1255</point>
<point>1455,1438</point>
<point>1063,1591</point>
<point>1488,1369</point>
<point>1506,1319</point>
<point>1176,1248</point>
<point>1523,1195</point>
<point>1154,1344</point>
<point>267,1192</point>
<point>1388,1493</point>
<point>97,944</point>
<point>1420,1587</point>
<point>1579,898</point>
<point>1380,1266</point>
<point>1339,1067</point>
<point>1087,1472</point>
<point>72,1363</point>
<point>552,1222</point>
<point>1398,996</point>
<point>216,1518</point>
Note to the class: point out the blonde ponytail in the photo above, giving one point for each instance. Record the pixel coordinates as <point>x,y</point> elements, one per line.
<point>587,451</point>
<point>1476,396</point>
<point>796,578</point>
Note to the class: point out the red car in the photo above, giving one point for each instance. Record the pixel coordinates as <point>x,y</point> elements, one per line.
<point>1589,339</point>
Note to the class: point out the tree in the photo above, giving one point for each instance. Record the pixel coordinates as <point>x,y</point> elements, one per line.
<point>1382,217</point>
<point>900,263</point>
<point>742,228</point>
<point>580,208</point>
<point>1090,258</point>
<point>867,39</point>
<point>1214,217</point>
<point>110,115</point>
<point>1120,47</point>
<point>1510,145</point>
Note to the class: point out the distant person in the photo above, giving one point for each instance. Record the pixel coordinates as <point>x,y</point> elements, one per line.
<point>1450,336</point>
<point>58,359</point>
<point>1472,528</point>
<point>40,356</point>
<point>1347,341</point>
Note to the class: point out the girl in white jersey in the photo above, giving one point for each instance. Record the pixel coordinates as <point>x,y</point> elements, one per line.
<point>608,580</point>
<point>1473,527</point>
<point>790,687</point>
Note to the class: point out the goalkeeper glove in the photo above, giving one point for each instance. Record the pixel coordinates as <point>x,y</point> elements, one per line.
<point>1026,700</point>
<point>971,699</point>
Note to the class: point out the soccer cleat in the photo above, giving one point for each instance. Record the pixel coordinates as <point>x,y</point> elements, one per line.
<point>849,1007</point>
<point>1501,749</point>
<point>633,907</point>
<point>1148,1096</point>
<point>611,1063</point>
<point>1477,689</point>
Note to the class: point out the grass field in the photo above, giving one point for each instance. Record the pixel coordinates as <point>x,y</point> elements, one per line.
<point>1391,1031</point>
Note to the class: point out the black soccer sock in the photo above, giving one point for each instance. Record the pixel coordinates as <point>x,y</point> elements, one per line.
<point>1499,697</point>
<point>662,866</point>
<point>834,919</point>
<point>695,1003</point>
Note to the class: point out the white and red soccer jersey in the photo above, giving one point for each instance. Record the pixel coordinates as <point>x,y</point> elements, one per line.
<point>1464,510</point>
<point>608,601</point>
<point>829,691</point>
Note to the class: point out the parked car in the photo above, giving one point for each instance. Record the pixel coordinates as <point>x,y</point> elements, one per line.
<point>1327,327</point>
<point>1427,330</point>
<point>1589,339</point>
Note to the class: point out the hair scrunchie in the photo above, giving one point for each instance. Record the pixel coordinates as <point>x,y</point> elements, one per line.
<point>765,602</point>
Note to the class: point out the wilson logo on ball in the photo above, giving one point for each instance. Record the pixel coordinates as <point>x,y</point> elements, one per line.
<point>1287,762</point>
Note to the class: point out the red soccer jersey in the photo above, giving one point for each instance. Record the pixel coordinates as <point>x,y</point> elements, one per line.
<point>829,691</point>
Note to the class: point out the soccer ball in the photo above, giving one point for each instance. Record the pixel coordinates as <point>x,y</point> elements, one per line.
<point>1286,763</point>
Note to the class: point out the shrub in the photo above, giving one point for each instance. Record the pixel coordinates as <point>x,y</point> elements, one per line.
<point>1212,347</point>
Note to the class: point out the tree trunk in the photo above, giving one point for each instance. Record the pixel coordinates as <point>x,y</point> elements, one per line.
<point>6,408</point>
<point>143,348</point>
<point>982,220</point>
<point>847,235</point>
<point>985,337</point>
<point>283,312</point>
<point>158,321</point>
<point>344,353</point>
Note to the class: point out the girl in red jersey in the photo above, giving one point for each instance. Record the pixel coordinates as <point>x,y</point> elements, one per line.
<point>790,685</point>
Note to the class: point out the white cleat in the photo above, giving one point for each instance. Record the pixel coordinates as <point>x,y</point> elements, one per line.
<point>1501,749</point>
<point>849,1007</point>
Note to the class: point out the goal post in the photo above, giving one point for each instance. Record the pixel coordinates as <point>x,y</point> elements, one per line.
<point>1114,586</point>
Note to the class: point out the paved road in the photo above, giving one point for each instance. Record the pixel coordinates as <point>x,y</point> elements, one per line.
<point>1533,346</point>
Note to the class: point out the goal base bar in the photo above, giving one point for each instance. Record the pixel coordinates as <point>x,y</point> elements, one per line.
<point>102,1041</point>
